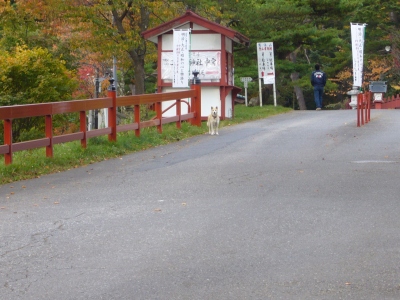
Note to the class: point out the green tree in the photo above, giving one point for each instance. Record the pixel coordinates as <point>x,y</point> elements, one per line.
<point>33,76</point>
<point>113,29</point>
<point>304,32</point>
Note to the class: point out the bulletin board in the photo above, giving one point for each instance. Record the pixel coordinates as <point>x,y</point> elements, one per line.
<point>207,63</point>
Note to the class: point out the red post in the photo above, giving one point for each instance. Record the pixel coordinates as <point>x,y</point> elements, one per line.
<point>362,108</point>
<point>136,109</point>
<point>83,128</point>
<point>49,135</point>
<point>8,140</point>
<point>358,109</point>
<point>196,106</point>
<point>112,112</point>
<point>368,109</point>
<point>158,109</point>
<point>178,113</point>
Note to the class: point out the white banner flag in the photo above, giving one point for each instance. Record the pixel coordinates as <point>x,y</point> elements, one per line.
<point>266,64</point>
<point>181,49</point>
<point>357,47</point>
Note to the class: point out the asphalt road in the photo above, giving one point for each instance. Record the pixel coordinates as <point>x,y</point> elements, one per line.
<point>303,205</point>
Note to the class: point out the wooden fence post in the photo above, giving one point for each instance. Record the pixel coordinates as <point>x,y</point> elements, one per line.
<point>196,106</point>
<point>8,140</point>
<point>158,108</point>
<point>112,112</point>
<point>178,113</point>
<point>359,113</point>
<point>136,110</point>
<point>83,128</point>
<point>368,111</point>
<point>49,135</point>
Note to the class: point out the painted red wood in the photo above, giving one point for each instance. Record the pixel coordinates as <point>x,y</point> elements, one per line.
<point>191,17</point>
<point>137,119</point>
<point>70,137</point>
<point>8,113</point>
<point>49,135</point>
<point>112,116</point>
<point>82,128</point>
<point>159,116</point>
<point>178,113</point>
<point>8,140</point>
<point>196,105</point>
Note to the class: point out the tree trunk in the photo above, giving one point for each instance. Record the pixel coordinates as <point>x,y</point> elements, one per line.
<point>298,92</point>
<point>136,54</point>
<point>138,66</point>
<point>294,77</point>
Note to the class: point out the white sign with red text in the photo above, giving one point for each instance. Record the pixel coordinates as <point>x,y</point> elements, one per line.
<point>266,65</point>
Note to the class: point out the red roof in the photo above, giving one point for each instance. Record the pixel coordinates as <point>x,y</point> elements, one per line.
<point>189,17</point>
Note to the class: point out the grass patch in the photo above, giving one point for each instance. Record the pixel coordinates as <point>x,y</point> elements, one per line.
<point>33,163</point>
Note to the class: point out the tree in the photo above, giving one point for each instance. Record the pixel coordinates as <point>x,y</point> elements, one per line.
<point>33,76</point>
<point>314,34</point>
<point>113,28</point>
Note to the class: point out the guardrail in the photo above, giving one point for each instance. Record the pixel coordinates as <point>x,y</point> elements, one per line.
<point>48,110</point>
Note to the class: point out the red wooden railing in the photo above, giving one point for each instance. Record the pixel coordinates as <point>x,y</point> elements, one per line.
<point>48,110</point>
<point>363,108</point>
<point>391,102</point>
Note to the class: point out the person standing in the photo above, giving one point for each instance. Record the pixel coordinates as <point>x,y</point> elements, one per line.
<point>318,81</point>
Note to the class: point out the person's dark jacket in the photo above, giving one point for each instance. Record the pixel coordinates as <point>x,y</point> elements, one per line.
<point>318,78</point>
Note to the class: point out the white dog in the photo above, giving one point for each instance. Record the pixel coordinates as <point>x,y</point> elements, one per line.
<point>213,121</point>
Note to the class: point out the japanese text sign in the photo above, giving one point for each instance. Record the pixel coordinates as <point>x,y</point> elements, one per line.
<point>357,47</point>
<point>266,65</point>
<point>181,49</point>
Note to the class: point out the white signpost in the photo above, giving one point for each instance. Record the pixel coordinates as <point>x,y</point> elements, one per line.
<point>266,66</point>
<point>245,80</point>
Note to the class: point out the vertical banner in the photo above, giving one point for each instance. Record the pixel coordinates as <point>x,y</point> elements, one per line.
<point>357,47</point>
<point>181,49</point>
<point>266,65</point>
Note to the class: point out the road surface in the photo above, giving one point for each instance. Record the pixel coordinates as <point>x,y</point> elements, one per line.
<point>303,205</point>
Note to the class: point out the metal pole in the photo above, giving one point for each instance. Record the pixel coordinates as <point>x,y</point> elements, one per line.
<point>245,93</point>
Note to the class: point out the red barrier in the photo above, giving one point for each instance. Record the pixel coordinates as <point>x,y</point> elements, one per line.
<point>363,108</point>
<point>47,110</point>
<point>392,102</point>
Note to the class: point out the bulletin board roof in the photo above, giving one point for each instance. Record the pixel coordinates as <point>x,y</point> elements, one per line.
<point>191,17</point>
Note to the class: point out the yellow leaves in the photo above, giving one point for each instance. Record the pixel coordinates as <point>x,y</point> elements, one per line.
<point>377,67</point>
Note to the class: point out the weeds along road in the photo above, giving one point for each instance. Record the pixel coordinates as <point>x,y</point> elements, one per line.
<point>303,205</point>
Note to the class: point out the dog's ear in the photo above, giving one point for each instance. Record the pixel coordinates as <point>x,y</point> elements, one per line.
<point>216,107</point>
